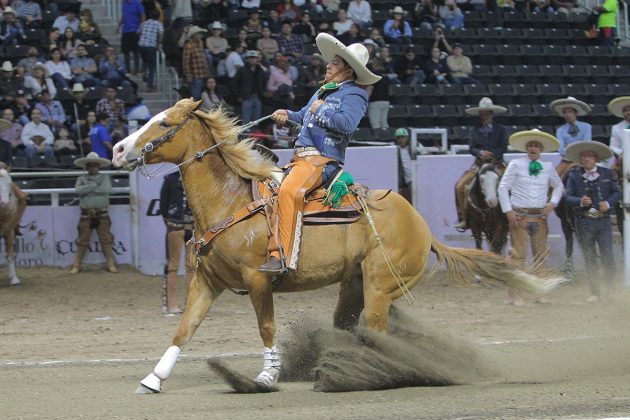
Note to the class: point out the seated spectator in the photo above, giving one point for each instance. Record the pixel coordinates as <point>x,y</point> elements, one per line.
<point>371,47</point>
<point>305,29</point>
<point>426,14</point>
<point>507,5</point>
<point>217,10</point>
<point>290,44</point>
<point>342,25</point>
<point>280,84</point>
<point>353,36</point>
<point>567,6</point>
<point>440,41</point>
<point>331,5</point>
<point>10,83</point>
<point>119,132</point>
<point>63,144</point>
<point>250,4</point>
<point>194,63</point>
<point>315,73</point>
<point>268,45</point>
<point>232,62</point>
<point>451,15</point>
<point>139,112</point>
<point>216,44</point>
<point>37,137</point>
<point>110,105</point>
<point>25,65</point>
<point>67,20</point>
<point>397,29</point>
<point>100,140</point>
<point>84,68</point>
<point>378,94</point>
<point>289,11</point>
<point>249,85</point>
<point>51,110</point>
<point>21,108</point>
<point>69,43</point>
<point>460,67</point>
<point>375,36</point>
<point>211,98</point>
<point>409,69</point>
<point>479,5</point>
<point>11,30</point>
<point>29,12</point>
<point>390,68</point>
<point>13,134</point>
<point>79,108</point>
<point>59,69</point>
<point>537,6</point>
<point>54,39</point>
<point>241,38</point>
<point>436,69</point>
<point>253,27</point>
<point>360,12</point>
<point>40,80</point>
<point>111,70</point>
<point>274,23</point>
<point>84,132</point>
<point>325,27</point>
<point>89,32</point>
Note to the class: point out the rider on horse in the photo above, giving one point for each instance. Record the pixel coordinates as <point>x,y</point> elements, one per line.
<point>619,107</point>
<point>5,163</point>
<point>488,141</point>
<point>328,121</point>
<point>572,130</point>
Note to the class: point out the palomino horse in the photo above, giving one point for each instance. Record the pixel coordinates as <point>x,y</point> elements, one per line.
<point>216,170</point>
<point>483,213</point>
<point>8,211</point>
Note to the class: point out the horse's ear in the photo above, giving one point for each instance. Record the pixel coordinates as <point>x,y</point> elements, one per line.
<point>197,104</point>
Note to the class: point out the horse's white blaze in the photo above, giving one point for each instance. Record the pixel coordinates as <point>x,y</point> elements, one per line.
<point>489,183</point>
<point>250,238</point>
<point>129,142</point>
<point>5,187</point>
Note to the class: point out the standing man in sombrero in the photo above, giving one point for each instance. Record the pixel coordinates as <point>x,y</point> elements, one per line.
<point>572,130</point>
<point>619,107</point>
<point>93,190</point>
<point>488,142</point>
<point>593,191</point>
<point>328,121</point>
<point>523,192</point>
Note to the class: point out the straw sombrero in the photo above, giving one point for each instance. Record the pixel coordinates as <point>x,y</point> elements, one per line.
<point>617,105</point>
<point>92,157</point>
<point>519,140</point>
<point>4,124</point>
<point>559,105</point>
<point>485,104</point>
<point>356,55</point>
<point>574,150</point>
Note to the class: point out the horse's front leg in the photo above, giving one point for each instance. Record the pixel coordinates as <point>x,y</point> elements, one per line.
<point>201,295</point>
<point>9,241</point>
<point>261,295</point>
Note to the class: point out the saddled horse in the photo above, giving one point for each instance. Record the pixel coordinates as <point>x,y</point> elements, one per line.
<point>567,222</point>
<point>483,213</point>
<point>8,212</point>
<point>217,170</point>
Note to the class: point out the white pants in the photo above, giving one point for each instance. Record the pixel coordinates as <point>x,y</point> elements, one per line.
<point>377,113</point>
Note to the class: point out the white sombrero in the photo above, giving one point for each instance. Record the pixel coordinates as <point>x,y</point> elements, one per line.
<point>92,157</point>
<point>559,105</point>
<point>519,140</point>
<point>574,150</point>
<point>617,105</point>
<point>485,104</point>
<point>356,55</point>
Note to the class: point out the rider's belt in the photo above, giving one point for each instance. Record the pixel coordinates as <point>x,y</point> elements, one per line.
<point>531,212</point>
<point>94,212</point>
<point>593,215</point>
<point>178,225</point>
<point>307,151</point>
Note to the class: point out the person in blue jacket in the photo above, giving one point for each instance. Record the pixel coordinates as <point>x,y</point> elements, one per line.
<point>328,121</point>
<point>593,191</point>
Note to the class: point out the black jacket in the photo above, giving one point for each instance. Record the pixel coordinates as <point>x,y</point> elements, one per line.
<point>248,82</point>
<point>604,188</point>
<point>173,204</point>
<point>6,153</point>
<point>496,141</point>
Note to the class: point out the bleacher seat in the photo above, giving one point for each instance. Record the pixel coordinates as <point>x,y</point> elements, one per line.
<point>421,115</point>
<point>600,74</point>
<point>515,19</point>
<point>558,35</point>
<point>526,93</point>
<point>544,116</point>
<point>35,37</point>
<point>490,35</point>
<point>483,73</point>
<point>453,94</point>
<point>402,94</point>
<point>486,53</point>
<point>602,55</point>
<point>460,134</point>
<point>510,54</point>
<point>17,51</point>
<point>552,74</point>
<point>19,162</point>
<point>556,54</point>
<point>398,115</point>
<point>474,93</point>
<point>550,92</point>
<point>560,20</point>
<point>521,114</point>
<point>385,134</point>
<point>529,74</point>
<point>533,54</point>
<point>445,115</point>
<point>538,20</point>
<point>502,94</point>
<point>578,54</point>
<point>618,89</point>
<point>597,93</point>
<point>577,74</point>
<point>599,115</point>
<point>505,74</point>
<point>427,94</point>
<point>600,133</point>
<point>363,134</point>
<point>67,161</point>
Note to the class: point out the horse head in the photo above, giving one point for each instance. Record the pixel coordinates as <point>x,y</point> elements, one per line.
<point>154,142</point>
<point>5,188</point>
<point>489,184</point>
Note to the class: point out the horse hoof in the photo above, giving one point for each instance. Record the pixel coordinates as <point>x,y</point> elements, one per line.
<point>268,377</point>
<point>15,281</point>
<point>149,385</point>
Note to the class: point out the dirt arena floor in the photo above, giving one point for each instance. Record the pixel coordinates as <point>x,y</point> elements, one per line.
<point>77,346</point>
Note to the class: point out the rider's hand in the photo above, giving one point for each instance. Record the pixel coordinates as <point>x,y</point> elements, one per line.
<point>485,154</point>
<point>280,116</point>
<point>548,209</point>
<point>512,218</point>
<point>316,105</point>
<point>586,201</point>
<point>603,207</point>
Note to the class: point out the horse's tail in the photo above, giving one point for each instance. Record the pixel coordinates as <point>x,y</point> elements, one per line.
<point>491,268</point>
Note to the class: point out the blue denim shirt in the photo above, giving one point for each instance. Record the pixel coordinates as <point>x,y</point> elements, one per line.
<point>334,122</point>
<point>565,139</point>
<point>604,188</point>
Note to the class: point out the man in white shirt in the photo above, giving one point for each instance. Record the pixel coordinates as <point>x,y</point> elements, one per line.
<point>360,12</point>
<point>37,136</point>
<point>523,196</point>
<point>620,107</point>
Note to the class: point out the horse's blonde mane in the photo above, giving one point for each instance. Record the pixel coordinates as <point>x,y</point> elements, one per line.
<point>239,155</point>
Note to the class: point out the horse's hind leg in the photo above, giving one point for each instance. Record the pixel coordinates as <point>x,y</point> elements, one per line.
<point>349,304</point>
<point>9,240</point>
<point>200,296</point>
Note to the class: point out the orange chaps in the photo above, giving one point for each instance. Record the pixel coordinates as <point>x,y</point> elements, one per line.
<point>305,176</point>
<point>21,202</point>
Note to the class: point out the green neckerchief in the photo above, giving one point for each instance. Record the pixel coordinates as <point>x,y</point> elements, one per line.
<point>535,168</point>
<point>327,88</point>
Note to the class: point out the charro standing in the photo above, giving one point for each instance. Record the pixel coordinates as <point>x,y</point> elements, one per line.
<point>328,121</point>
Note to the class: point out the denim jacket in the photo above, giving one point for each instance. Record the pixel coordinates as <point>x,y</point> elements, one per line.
<point>334,122</point>
<point>604,188</point>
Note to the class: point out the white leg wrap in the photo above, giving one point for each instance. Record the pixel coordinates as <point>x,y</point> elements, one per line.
<point>167,362</point>
<point>271,367</point>
<point>12,274</point>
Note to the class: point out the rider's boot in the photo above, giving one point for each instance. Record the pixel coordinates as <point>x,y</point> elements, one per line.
<point>461,226</point>
<point>110,259</point>
<point>78,258</point>
<point>273,264</point>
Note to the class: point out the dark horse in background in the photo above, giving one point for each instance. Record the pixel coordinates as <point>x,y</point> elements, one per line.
<point>483,213</point>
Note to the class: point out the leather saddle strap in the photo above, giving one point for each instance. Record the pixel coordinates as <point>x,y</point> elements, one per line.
<point>234,218</point>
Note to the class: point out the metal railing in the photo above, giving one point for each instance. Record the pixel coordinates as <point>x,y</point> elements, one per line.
<point>623,28</point>
<point>173,80</point>
<point>113,9</point>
